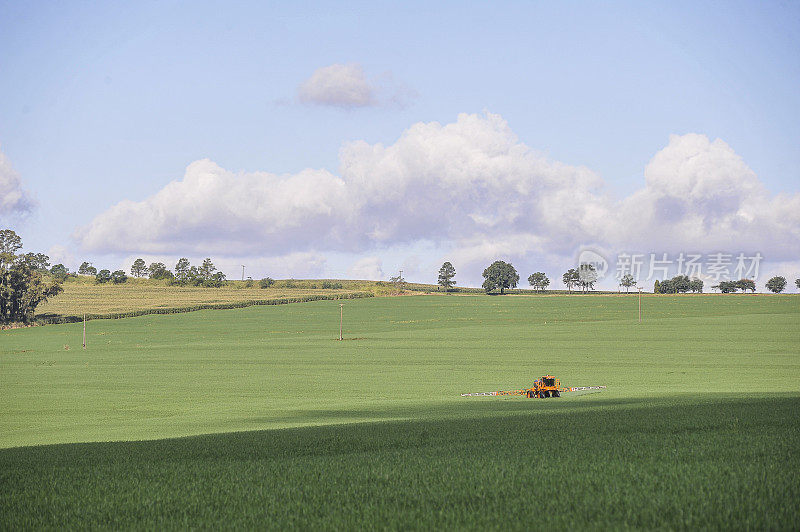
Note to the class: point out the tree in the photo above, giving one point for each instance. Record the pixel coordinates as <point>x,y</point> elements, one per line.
<point>118,277</point>
<point>726,287</point>
<point>446,274</point>
<point>182,270</point>
<point>656,287</point>
<point>797,282</point>
<point>10,243</point>
<point>500,275</point>
<point>22,286</point>
<point>37,261</point>
<point>587,276</point>
<point>570,278</point>
<point>538,281</point>
<point>158,270</point>
<point>103,276</point>
<point>746,284</point>
<point>266,282</point>
<point>627,281</point>
<point>218,279</point>
<point>87,269</point>
<point>666,287</point>
<point>139,268</point>
<point>680,284</point>
<point>776,284</point>
<point>207,270</point>
<point>397,281</point>
<point>696,285</point>
<point>59,272</point>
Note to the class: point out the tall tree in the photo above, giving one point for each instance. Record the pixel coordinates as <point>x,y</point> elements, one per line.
<point>627,281</point>
<point>776,284</point>
<point>797,282</point>
<point>118,277</point>
<point>207,270</point>
<point>59,272</point>
<point>500,275</point>
<point>538,281</point>
<point>570,278</point>
<point>182,270</point>
<point>746,284</point>
<point>138,268</point>
<point>446,274</point>
<point>696,285</point>
<point>22,286</point>
<point>37,261</point>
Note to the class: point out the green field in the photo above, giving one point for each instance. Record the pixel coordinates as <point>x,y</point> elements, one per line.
<point>260,417</point>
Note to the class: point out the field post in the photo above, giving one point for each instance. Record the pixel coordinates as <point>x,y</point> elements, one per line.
<point>341,319</point>
<point>84,330</point>
<point>640,303</point>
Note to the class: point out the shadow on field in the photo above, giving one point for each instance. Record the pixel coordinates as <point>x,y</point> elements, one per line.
<point>708,462</point>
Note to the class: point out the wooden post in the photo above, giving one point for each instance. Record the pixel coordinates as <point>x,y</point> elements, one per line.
<point>640,305</point>
<point>341,319</point>
<point>84,330</point>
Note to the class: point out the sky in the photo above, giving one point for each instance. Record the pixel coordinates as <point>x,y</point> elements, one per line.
<point>316,140</point>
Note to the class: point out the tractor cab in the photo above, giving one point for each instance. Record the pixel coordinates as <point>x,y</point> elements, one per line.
<point>547,386</point>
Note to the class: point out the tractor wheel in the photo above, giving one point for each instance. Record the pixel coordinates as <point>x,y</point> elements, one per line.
<point>556,394</point>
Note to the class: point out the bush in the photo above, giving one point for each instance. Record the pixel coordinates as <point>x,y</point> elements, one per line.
<point>331,286</point>
<point>119,277</point>
<point>103,276</point>
<point>266,282</point>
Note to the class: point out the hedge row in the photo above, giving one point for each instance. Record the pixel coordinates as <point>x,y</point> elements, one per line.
<point>47,319</point>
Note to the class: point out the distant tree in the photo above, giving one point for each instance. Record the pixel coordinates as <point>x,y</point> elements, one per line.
<point>22,286</point>
<point>587,276</point>
<point>398,282</point>
<point>266,282</point>
<point>158,270</point>
<point>446,274</point>
<point>218,279</point>
<point>37,261</point>
<point>118,277</point>
<point>538,281</point>
<point>207,269</point>
<point>87,269</point>
<point>776,284</point>
<point>627,281</point>
<point>570,278</point>
<point>666,287</point>
<point>726,287</point>
<point>656,287</point>
<point>680,284</point>
<point>746,284</point>
<point>59,272</point>
<point>139,268</point>
<point>797,282</point>
<point>103,276</point>
<point>696,285</point>
<point>10,243</point>
<point>182,271</point>
<point>500,275</point>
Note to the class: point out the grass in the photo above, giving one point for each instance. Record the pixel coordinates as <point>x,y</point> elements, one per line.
<point>698,426</point>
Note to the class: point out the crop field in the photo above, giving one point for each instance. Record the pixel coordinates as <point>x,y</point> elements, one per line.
<point>83,295</point>
<point>260,417</point>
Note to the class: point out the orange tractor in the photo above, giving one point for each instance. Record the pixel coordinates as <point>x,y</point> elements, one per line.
<point>547,386</point>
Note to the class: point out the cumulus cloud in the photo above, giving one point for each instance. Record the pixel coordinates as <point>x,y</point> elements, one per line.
<point>347,86</point>
<point>13,199</point>
<point>338,85</point>
<point>470,187</point>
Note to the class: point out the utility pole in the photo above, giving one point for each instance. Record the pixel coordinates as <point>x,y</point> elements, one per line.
<point>401,280</point>
<point>242,272</point>
<point>640,303</point>
<point>84,330</point>
<point>341,319</point>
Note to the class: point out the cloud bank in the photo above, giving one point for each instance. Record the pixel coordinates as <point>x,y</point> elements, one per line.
<point>13,199</point>
<point>470,187</point>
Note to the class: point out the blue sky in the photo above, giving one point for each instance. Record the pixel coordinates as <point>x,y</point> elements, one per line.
<point>103,103</point>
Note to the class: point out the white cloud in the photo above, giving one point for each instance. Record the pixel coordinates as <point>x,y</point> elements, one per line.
<point>471,187</point>
<point>339,86</point>
<point>61,255</point>
<point>367,268</point>
<point>13,199</point>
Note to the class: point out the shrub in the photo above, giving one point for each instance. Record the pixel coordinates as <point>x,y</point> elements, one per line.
<point>103,276</point>
<point>266,282</point>
<point>119,277</point>
<point>331,286</point>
